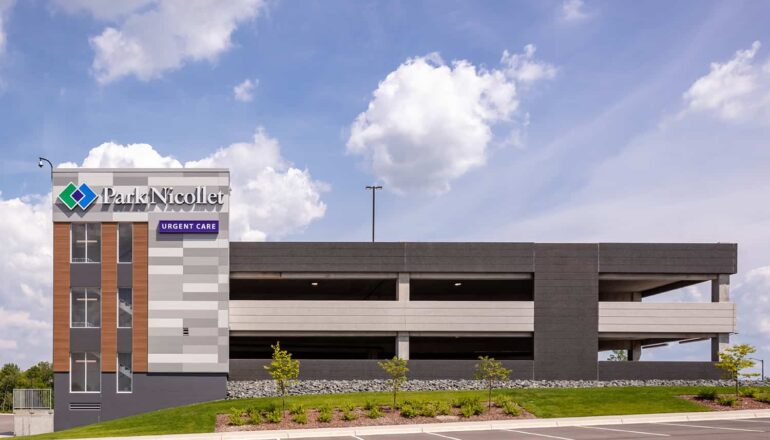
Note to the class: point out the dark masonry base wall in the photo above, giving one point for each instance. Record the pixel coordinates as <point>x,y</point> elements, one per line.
<point>335,369</point>
<point>151,392</point>
<point>658,370</point>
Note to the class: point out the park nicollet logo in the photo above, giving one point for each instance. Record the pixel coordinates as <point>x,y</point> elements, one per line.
<point>81,196</point>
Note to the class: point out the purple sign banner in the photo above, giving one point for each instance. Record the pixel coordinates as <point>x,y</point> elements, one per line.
<point>188,226</point>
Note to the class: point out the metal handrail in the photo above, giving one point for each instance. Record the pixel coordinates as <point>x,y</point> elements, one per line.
<point>24,398</point>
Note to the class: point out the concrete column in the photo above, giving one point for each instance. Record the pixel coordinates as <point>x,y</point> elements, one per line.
<point>635,351</point>
<point>402,289</point>
<point>402,345</point>
<point>636,297</point>
<point>718,344</point>
<point>720,289</point>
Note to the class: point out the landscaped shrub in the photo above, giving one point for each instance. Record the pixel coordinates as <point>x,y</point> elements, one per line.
<point>324,414</point>
<point>296,409</point>
<point>764,398</point>
<point>374,412</point>
<point>443,408</point>
<point>274,415</point>
<point>299,417</point>
<point>501,400</point>
<point>255,416</point>
<point>349,412</point>
<point>471,407</point>
<point>727,400</point>
<point>370,404</point>
<point>408,410</point>
<point>235,417</point>
<point>429,409</point>
<point>750,392</point>
<point>707,394</point>
<point>511,408</point>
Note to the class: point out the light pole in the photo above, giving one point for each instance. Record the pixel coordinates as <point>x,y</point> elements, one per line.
<point>40,161</point>
<point>374,189</point>
<point>762,363</point>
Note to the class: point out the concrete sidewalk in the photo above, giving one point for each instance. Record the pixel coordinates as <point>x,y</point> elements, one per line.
<point>462,426</point>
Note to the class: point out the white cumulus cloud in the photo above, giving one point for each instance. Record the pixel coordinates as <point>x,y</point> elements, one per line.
<point>5,9</point>
<point>146,38</point>
<point>737,90</point>
<point>573,10</point>
<point>244,92</point>
<point>429,123</point>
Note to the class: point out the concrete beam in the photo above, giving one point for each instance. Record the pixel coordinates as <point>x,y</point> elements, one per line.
<point>402,290</point>
<point>402,345</point>
<point>718,345</point>
<point>635,351</point>
<point>720,289</point>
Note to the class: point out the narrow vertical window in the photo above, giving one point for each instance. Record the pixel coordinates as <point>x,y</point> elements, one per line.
<point>125,307</point>
<point>125,242</point>
<point>78,245</point>
<point>125,373</point>
<point>86,245</point>
<point>85,372</point>
<point>85,307</point>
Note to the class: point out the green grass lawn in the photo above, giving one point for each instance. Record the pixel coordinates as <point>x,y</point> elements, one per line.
<point>571,402</point>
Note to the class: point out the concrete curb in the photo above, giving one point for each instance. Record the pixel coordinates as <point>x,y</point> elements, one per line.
<point>461,426</point>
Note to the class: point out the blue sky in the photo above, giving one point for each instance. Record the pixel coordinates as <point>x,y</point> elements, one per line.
<point>614,124</point>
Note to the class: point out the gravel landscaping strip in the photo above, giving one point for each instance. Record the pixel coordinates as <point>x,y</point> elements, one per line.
<point>266,388</point>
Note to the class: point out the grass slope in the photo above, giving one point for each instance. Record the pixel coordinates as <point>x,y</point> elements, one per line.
<point>570,402</point>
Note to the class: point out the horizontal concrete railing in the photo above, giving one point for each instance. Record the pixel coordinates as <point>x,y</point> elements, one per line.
<point>426,316</point>
<point>630,317</point>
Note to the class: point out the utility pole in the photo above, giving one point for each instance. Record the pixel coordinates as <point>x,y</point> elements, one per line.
<point>761,361</point>
<point>374,189</point>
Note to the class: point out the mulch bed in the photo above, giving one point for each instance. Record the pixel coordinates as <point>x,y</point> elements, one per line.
<point>742,403</point>
<point>389,418</point>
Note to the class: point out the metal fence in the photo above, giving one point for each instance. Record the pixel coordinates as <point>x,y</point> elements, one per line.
<point>32,399</point>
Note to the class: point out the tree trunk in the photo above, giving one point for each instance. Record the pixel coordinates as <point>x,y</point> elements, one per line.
<point>489,399</point>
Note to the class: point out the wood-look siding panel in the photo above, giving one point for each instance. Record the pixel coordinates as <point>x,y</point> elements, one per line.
<point>109,296</point>
<point>61,296</point>
<point>139,332</point>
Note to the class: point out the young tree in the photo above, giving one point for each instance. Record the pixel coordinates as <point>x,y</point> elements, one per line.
<point>283,369</point>
<point>490,371</point>
<point>618,356</point>
<point>397,370</point>
<point>733,360</point>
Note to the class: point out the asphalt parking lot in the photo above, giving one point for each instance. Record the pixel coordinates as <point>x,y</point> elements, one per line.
<point>749,429</point>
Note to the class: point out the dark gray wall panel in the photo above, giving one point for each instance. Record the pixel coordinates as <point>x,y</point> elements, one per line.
<point>335,369</point>
<point>85,339</point>
<point>125,275</point>
<point>693,258</point>
<point>124,343</point>
<point>151,392</point>
<point>85,274</point>
<point>566,311</point>
<point>642,370</point>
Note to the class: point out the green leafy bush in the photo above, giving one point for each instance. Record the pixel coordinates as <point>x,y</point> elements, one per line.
<point>707,394</point>
<point>443,408</point>
<point>408,410</point>
<point>348,406</point>
<point>511,408</point>
<point>374,412</point>
<point>750,392</point>
<point>255,416</point>
<point>274,415</point>
<point>324,414</point>
<point>501,400</point>
<point>299,417</point>
<point>296,409</point>
<point>429,409</point>
<point>235,417</point>
<point>370,404</point>
<point>727,400</point>
<point>349,414</point>
<point>764,398</point>
<point>471,407</point>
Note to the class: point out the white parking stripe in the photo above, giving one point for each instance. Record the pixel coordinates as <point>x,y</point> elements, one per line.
<point>752,421</point>
<point>625,430</point>
<point>538,435</point>
<point>357,438</point>
<point>442,435</point>
<point>709,427</point>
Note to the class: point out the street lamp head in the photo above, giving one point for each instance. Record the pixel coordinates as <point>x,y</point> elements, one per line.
<point>40,162</point>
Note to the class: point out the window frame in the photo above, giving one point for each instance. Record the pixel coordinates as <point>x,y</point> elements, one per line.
<point>85,250</point>
<point>85,315</point>
<point>117,307</point>
<point>85,372</point>
<point>117,373</point>
<point>117,232</point>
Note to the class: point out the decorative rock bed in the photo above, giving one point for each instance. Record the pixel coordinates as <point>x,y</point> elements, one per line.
<point>266,388</point>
